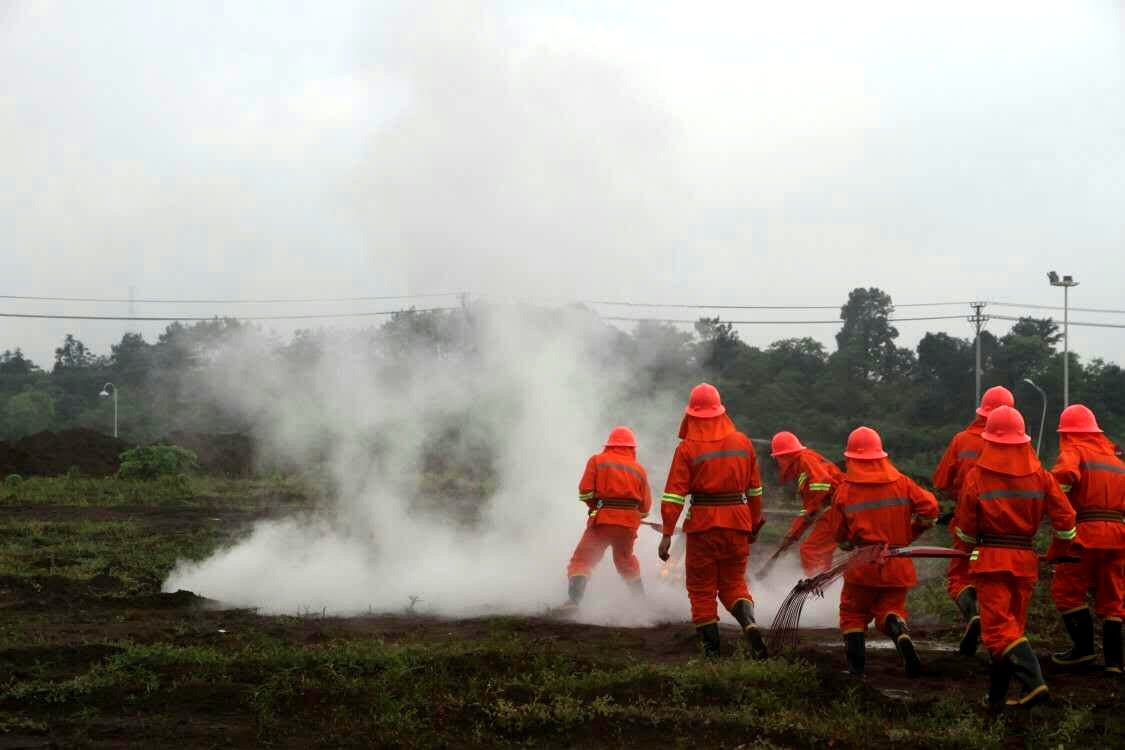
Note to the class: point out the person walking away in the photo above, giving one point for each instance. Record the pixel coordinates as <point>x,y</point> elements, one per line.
<point>615,489</point>
<point>1003,500</point>
<point>876,504</point>
<point>1093,477</point>
<point>715,465</point>
<point>961,455</point>
<point>816,477</point>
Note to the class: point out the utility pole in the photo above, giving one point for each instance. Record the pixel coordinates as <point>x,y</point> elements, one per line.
<point>978,319</point>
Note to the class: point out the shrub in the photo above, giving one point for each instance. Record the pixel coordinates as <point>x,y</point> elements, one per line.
<point>154,461</point>
<point>13,479</point>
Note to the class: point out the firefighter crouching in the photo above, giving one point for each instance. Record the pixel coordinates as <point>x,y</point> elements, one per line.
<point>1003,500</point>
<point>1093,477</point>
<point>615,489</point>
<point>876,504</point>
<point>716,466</point>
<point>961,456</point>
<point>816,477</point>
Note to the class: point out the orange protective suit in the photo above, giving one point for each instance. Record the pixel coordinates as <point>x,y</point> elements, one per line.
<point>1094,479</point>
<point>716,465</point>
<point>615,489</point>
<point>816,478</point>
<point>878,505</point>
<point>961,456</point>
<point>1003,499</point>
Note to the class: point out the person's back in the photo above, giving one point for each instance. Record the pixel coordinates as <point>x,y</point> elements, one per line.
<point>956,463</point>
<point>1002,503</point>
<point>876,505</point>
<point>1092,475</point>
<point>715,466</point>
<point>615,489</point>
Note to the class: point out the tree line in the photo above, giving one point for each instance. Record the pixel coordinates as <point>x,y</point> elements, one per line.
<point>916,397</point>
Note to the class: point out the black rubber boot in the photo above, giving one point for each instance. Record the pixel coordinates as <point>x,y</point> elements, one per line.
<point>967,603</point>
<point>743,611</point>
<point>896,629</point>
<point>576,587</point>
<point>855,648</point>
<point>1080,625</point>
<point>709,638</point>
<point>1111,645</point>
<point>999,678</point>
<point>636,588</point>
<point>1025,667</point>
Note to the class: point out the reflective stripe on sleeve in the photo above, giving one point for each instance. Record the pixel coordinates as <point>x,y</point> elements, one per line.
<point>1065,487</point>
<point>1066,536</point>
<point>803,512</point>
<point>668,497</point>
<point>584,496</point>
<point>963,536</point>
<point>820,486</point>
<point>754,492</point>
<point>975,555</point>
<point>801,479</point>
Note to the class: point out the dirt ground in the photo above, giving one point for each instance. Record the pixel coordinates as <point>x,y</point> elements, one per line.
<point>57,628</point>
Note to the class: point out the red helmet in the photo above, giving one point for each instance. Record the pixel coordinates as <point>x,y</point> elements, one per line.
<point>1005,426</point>
<point>1078,418</point>
<point>994,397</point>
<point>621,437</point>
<point>865,443</point>
<point>784,443</point>
<point>704,402</point>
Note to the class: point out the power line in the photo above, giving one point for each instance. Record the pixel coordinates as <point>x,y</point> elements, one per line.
<point>1073,322</point>
<point>679,306</point>
<point>1054,307</point>
<point>276,301</point>
<point>770,322</point>
<point>191,318</point>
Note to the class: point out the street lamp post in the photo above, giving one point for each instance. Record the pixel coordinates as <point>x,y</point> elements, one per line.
<point>1066,282</point>
<point>105,394</point>
<point>1042,417</point>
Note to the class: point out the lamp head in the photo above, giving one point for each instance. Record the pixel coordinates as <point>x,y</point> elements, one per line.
<point>104,393</point>
<point>1053,278</point>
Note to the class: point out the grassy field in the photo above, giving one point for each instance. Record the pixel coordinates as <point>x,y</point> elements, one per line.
<point>92,654</point>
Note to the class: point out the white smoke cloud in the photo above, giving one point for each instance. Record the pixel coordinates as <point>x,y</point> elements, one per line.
<point>543,390</point>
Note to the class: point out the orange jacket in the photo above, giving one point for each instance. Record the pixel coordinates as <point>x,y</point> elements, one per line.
<point>1002,502</point>
<point>878,505</point>
<point>961,455</point>
<point>716,465</point>
<point>1094,479</point>
<point>613,480</point>
<point>817,477</point>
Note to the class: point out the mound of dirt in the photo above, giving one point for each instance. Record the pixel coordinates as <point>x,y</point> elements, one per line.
<point>230,455</point>
<point>55,453</point>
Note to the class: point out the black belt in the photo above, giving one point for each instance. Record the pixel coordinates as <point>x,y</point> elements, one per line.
<point>619,502</point>
<point>1011,541</point>
<point>699,499</point>
<point>1101,515</point>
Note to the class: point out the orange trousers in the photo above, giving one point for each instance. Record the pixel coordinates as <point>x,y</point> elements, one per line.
<point>1003,599</point>
<point>593,544</point>
<point>860,604</point>
<point>1103,571</point>
<point>715,565</point>
<point>818,546</point>
<point>958,577</point>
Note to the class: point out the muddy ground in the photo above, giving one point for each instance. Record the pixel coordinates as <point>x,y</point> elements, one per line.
<point>74,671</point>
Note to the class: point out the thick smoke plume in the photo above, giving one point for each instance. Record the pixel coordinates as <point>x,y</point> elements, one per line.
<point>538,393</point>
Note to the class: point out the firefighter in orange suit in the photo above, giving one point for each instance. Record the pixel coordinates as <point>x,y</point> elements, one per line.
<point>716,466</point>
<point>1003,500</point>
<point>1093,477</point>
<point>816,477</point>
<point>878,505</point>
<point>615,489</point>
<point>959,457</point>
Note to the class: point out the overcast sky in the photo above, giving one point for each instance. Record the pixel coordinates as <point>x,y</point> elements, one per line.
<point>730,153</point>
